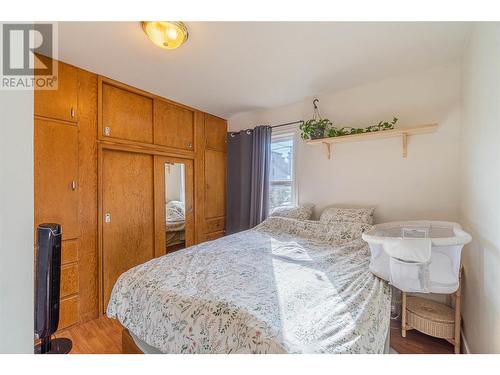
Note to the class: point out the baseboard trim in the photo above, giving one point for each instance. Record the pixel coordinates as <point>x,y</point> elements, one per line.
<point>465,346</point>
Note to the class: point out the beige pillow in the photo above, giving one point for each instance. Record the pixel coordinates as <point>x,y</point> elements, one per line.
<point>336,214</point>
<point>300,212</point>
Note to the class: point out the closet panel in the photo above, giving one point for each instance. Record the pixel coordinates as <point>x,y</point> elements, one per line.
<point>127,214</point>
<point>126,115</point>
<point>214,156</point>
<point>199,176</point>
<point>61,104</point>
<point>56,175</point>
<point>87,174</point>
<point>215,133</point>
<point>173,126</point>
<point>215,184</point>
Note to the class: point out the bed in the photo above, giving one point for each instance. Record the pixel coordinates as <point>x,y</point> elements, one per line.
<point>175,223</point>
<point>286,286</point>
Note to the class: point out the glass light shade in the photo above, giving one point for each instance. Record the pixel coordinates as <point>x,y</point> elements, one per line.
<point>166,34</point>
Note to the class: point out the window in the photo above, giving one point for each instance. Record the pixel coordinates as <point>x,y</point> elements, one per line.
<point>281,176</point>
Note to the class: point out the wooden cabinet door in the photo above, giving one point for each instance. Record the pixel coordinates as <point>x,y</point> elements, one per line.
<point>215,133</point>
<point>215,184</point>
<point>126,115</point>
<point>127,197</point>
<point>173,126</point>
<point>56,175</point>
<point>61,104</point>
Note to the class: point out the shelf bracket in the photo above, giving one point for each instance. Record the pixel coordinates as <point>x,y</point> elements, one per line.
<point>404,137</point>
<point>328,149</point>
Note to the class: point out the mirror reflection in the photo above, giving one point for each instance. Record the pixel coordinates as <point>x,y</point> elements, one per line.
<point>175,212</point>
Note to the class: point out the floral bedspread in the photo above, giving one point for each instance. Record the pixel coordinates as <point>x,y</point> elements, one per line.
<point>175,218</point>
<point>286,286</point>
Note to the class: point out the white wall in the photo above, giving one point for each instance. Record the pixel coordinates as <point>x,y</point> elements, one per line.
<point>172,182</point>
<point>425,185</point>
<point>480,196</point>
<point>16,222</point>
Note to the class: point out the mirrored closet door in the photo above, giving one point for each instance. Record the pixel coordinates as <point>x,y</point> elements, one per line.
<point>173,204</point>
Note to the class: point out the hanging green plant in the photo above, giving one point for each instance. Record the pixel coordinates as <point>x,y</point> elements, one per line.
<point>318,127</point>
<point>324,128</point>
<point>315,128</point>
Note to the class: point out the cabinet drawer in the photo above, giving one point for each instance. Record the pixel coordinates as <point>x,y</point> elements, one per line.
<point>126,115</point>
<point>215,225</point>
<point>68,312</point>
<point>69,252</point>
<point>69,280</point>
<point>173,126</point>
<point>214,235</point>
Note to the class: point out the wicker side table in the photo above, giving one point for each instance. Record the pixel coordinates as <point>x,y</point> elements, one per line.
<point>433,318</point>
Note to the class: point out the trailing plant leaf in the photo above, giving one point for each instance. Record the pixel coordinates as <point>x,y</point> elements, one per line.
<point>321,128</point>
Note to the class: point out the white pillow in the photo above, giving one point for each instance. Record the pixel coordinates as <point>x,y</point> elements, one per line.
<point>300,212</point>
<point>336,214</point>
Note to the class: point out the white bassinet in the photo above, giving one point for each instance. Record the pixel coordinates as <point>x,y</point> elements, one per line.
<point>439,274</point>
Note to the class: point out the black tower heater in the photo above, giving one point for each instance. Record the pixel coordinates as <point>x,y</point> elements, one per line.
<point>47,283</point>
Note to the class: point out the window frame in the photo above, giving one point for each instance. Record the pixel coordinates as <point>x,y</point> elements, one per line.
<point>292,135</point>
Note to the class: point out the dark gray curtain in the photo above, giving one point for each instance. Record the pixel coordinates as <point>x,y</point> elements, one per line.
<point>248,164</point>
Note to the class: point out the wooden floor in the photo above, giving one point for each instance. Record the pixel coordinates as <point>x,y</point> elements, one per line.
<point>103,336</point>
<point>416,342</point>
<point>98,336</point>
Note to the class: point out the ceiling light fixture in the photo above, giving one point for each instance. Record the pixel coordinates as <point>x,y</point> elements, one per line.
<point>166,34</point>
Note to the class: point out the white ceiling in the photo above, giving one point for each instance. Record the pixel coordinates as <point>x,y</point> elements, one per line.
<point>231,67</point>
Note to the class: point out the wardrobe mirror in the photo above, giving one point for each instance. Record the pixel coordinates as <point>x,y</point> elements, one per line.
<point>175,206</point>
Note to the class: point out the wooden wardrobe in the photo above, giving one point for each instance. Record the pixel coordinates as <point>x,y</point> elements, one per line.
<point>65,179</point>
<point>100,151</point>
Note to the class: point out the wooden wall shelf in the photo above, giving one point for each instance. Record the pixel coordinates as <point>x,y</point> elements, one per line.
<point>403,133</point>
